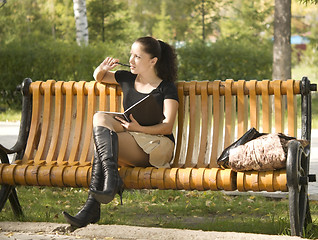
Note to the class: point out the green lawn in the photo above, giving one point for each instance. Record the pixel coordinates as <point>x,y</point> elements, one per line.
<point>207,211</point>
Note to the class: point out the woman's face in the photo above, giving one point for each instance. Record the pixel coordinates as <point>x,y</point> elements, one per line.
<point>139,60</point>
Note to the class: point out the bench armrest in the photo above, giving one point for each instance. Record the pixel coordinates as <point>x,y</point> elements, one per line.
<point>25,119</point>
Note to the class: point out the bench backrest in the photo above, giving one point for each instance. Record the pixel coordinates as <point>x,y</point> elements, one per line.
<point>211,116</point>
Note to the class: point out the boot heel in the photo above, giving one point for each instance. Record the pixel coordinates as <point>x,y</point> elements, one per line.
<point>120,193</point>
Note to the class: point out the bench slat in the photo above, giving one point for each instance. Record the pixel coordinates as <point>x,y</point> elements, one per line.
<point>242,109</point>
<point>291,109</point>
<point>180,127</point>
<point>230,114</point>
<point>68,114</point>
<point>254,104</point>
<point>266,107</point>
<point>279,108</point>
<point>203,144</point>
<point>57,122</point>
<point>41,148</point>
<point>79,116</point>
<point>87,145</point>
<point>35,126</point>
<point>218,123</point>
<point>193,123</point>
<point>102,97</point>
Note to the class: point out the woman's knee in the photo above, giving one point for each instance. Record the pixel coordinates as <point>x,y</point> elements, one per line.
<point>105,120</point>
<point>100,119</point>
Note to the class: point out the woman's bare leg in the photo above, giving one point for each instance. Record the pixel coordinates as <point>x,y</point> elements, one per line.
<point>105,120</point>
<point>129,153</point>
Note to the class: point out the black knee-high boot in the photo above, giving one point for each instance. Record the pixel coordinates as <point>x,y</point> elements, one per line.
<point>106,144</point>
<point>90,212</point>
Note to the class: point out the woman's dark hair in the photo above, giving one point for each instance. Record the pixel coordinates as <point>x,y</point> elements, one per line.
<point>166,66</point>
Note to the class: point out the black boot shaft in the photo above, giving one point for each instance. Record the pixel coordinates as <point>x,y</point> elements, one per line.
<point>106,145</point>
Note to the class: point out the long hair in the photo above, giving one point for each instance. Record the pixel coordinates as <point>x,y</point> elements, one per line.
<point>166,66</point>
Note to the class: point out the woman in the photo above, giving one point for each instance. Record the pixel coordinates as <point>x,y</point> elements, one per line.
<point>153,71</point>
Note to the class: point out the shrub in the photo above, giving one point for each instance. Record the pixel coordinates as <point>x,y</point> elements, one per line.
<point>49,60</point>
<point>224,59</point>
<point>54,59</point>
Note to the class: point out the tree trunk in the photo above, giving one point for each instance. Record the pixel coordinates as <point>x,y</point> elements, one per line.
<point>81,22</point>
<point>282,48</point>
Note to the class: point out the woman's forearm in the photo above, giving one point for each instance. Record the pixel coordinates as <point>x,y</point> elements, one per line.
<point>159,129</point>
<point>99,74</point>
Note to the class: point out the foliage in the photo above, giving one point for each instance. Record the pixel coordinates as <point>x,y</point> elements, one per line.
<point>109,21</point>
<point>208,211</point>
<point>180,19</point>
<point>249,19</point>
<point>50,59</point>
<point>309,1</point>
<point>226,58</point>
<point>36,20</point>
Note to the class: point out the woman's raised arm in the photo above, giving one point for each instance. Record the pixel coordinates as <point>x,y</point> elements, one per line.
<point>103,72</point>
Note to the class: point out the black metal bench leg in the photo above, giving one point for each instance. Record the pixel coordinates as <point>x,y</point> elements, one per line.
<point>9,192</point>
<point>4,195</point>
<point>297,181</point>
<point>15,204</point>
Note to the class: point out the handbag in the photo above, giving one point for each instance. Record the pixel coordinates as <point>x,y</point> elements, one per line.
<point>223,159</point>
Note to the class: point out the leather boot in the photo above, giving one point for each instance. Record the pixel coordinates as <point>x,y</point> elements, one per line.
<point>106,144</point>
<point>90,212</point>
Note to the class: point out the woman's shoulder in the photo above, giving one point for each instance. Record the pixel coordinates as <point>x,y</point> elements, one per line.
<point>169,89</point>
<point>123,74</point>
<point>168,84</point>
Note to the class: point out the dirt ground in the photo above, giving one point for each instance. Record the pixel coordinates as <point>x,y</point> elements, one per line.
<point>40,230</point>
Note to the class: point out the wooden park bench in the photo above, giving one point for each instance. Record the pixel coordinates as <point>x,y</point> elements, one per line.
<point>55,145</point>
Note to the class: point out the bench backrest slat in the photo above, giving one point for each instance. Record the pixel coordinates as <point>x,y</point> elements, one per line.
<point>291,109</point>
<point>218,124</point>
<point>211,116</point>
<point>51,156</point>
<point>67,122</point>
<point>279,108</point>
<point>34,128</point>
<point>242,109</point>
<point>254,103</point>
<point>205,124</point>
<point>230,114</point>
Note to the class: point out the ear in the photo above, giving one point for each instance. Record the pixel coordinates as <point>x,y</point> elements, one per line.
<point>154,61</point>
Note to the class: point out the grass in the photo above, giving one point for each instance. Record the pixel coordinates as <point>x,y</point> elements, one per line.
<point>10,115</point>
<point>207,211</point>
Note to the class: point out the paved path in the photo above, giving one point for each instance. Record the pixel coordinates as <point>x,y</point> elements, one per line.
<point>50,231</point>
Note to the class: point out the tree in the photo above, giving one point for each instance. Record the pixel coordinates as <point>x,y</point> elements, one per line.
<point>108,21</point>
<point>282,47</point>
<point>163,28</point>
<point>81,22</point>
<point>250,20</point>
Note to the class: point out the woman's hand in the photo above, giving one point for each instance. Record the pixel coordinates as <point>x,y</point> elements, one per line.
<point>164,128</point>
<point>132,126</point>
<point>102,72</point>
<point>108,64</point>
